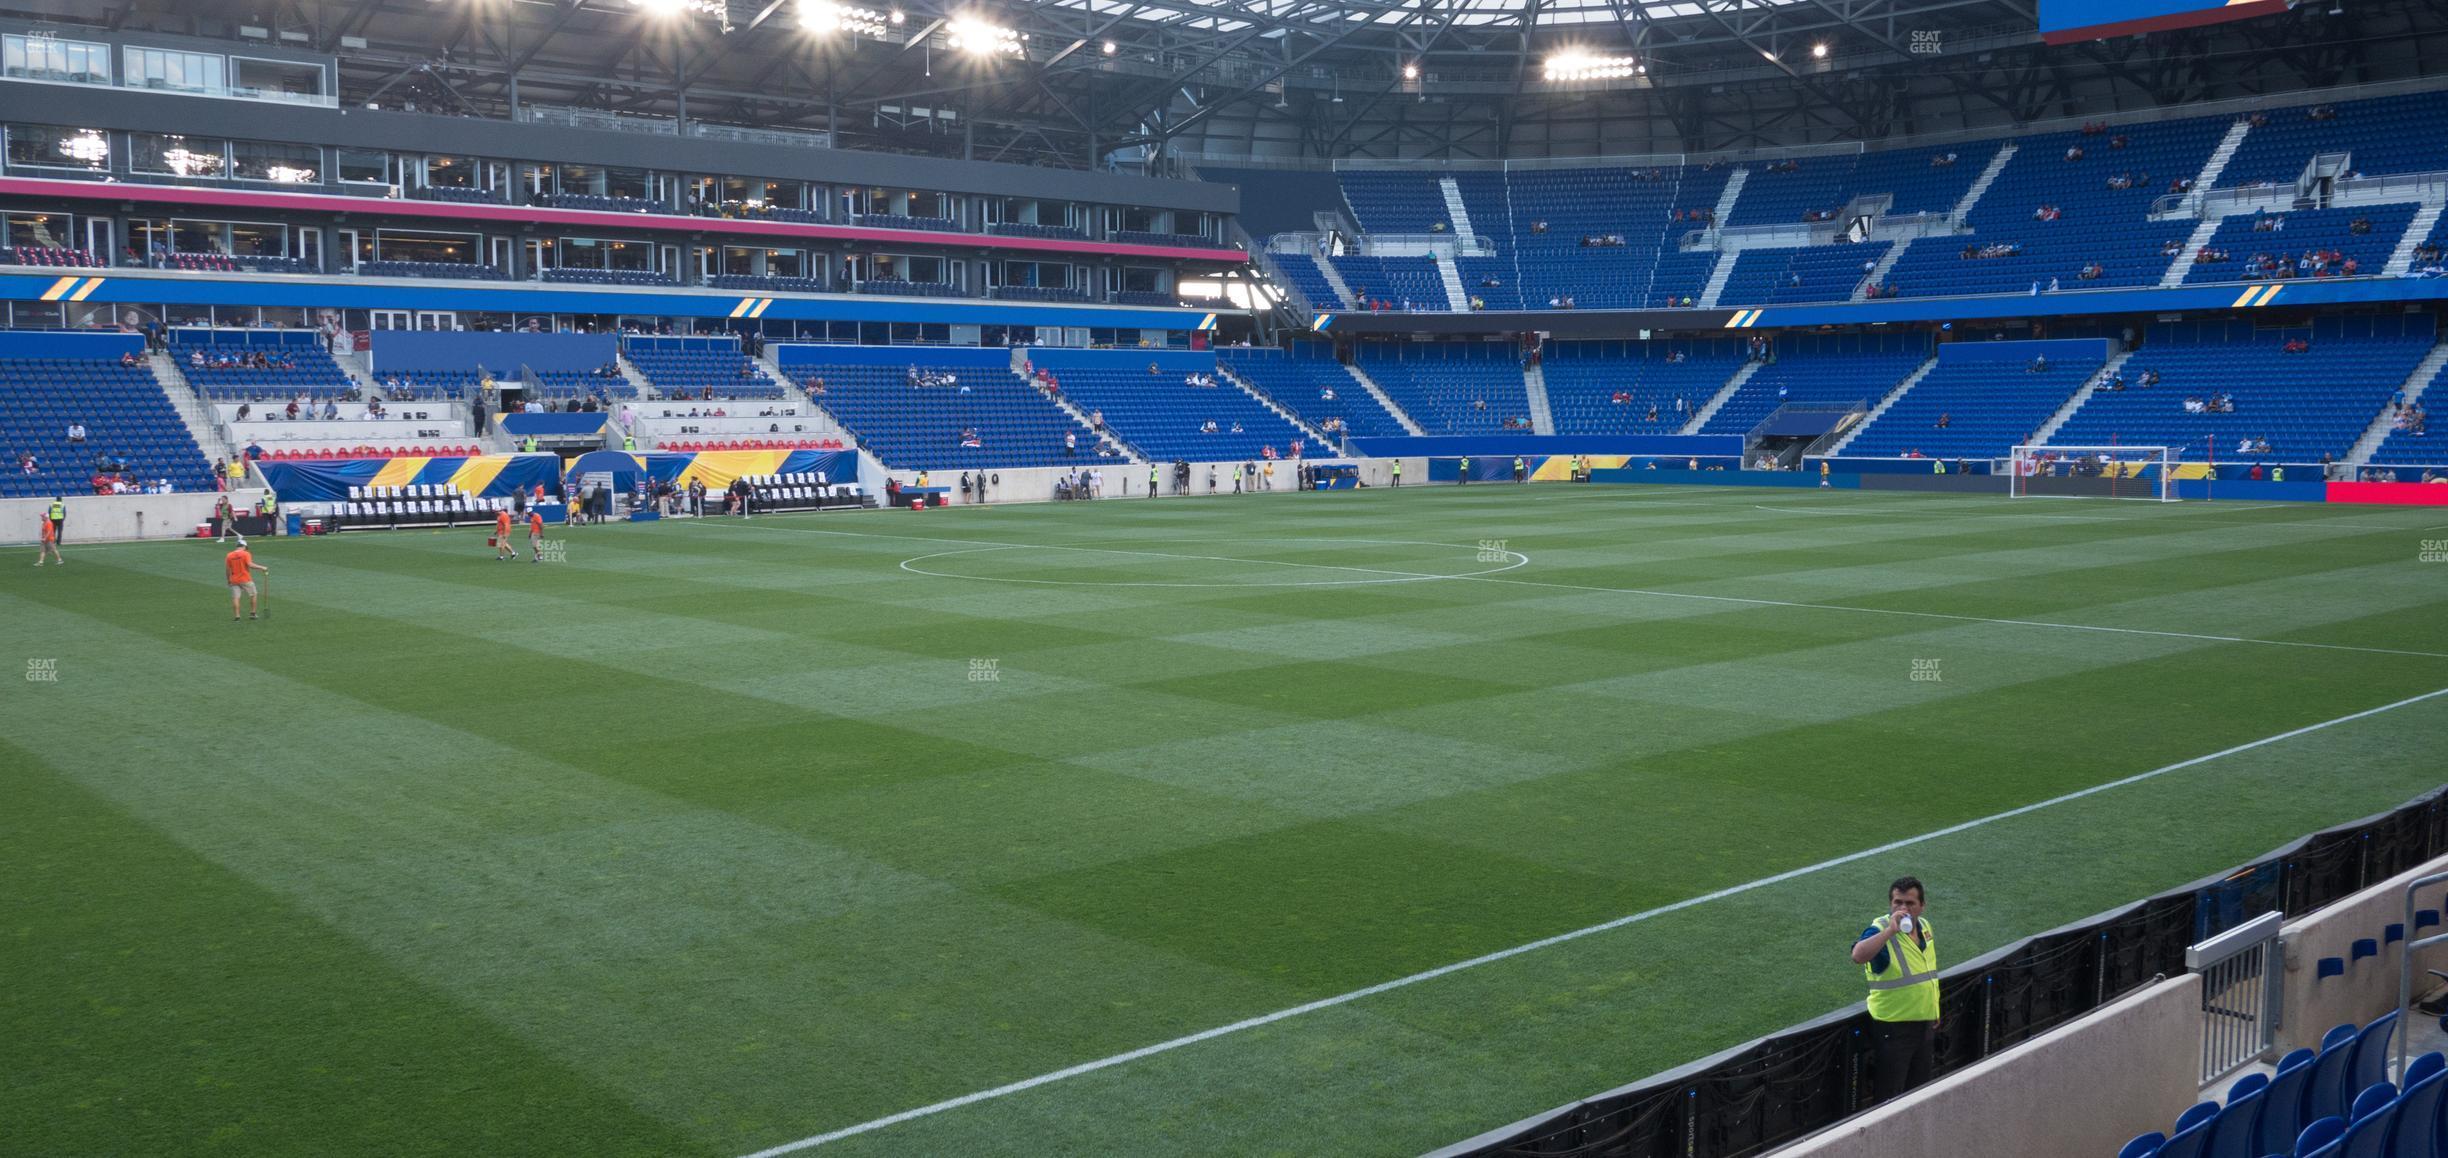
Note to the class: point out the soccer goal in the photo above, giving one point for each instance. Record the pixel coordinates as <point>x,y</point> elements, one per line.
<point>2110,472</point>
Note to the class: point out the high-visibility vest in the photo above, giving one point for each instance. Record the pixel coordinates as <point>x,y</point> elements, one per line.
<point>59,510</point>
<point>1907,990</point>
<point>1398,468</point>
<point>531,443</point>
<point>271,504</point>
<point>628,443</point>
<point>2277,474</point>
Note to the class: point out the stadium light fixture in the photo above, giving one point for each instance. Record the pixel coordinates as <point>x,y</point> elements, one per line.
<point>1574,64</point>
<point>979,37</point>
<point>1411,71</point>
<point>674,9</point>
<point>825,17</point>
<point>1819,51</point>
<point>1112,48</point>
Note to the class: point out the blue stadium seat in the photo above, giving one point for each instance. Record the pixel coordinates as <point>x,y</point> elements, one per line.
<point>2369,1070</point>
<point>919,428</point>
<point>2367,1126</point>
<point>1452,387</point>
<point>2417,1134</point>
<point>1299,380</point>
<point>126,414</point>
<point>2324,1089</point>
<point>2143,1146</point>
<point>2282,1104</point>
<point>1161,416</point>
<point>2319,1139</point>
<point>2232,1134</point>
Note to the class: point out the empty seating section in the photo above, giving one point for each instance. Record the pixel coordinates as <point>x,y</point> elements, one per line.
<point>1920,180</point>
<point>2395,134</point>
<point>1452,387</point>
<point>1025,229</point>
<point>920,427</point>
<point>608,277</point>
<point>1396,201</point>
<point>603,204</point>
<point>1301,380</point>
<point>1399,282</point>
<point>1040,293</point>
<point>1990,407</point>
<point>607,384</point>
<point>742,281</point>
<point>1493,280</point>
<point>461,196</point>
<point>1164,417</point>
<point>911,289</point>
<point>441,269</point>
<point>1308,280</point>
<point>2304,405</point>
<point>1143,237</point>
<point>1792,191</point>
<point>2095,223</point>
<point>428,384</point>
<point>1824,369</point>
<point>1486,200</point>
<point>904,221</point>
<point>2334,1102</point>
<point>1609,387</point>
<point>1144,298</point>
<point>1818,273</point>
<point>53,255</point>
<point>2364,235</point>
<point>126,417</point>
<point>1641,206</point>
<point>225,365</point>
<point>433,450</point>
<point>718,373</point>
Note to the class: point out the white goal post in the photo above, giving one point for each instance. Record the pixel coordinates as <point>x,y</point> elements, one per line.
<point>2110,472</point>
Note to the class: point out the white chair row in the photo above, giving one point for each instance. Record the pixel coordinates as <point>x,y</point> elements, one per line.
<point>408,491</point>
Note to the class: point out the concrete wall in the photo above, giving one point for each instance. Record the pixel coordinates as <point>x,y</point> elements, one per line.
<point>2369,987</point>
<point>1123,479</point>
<point>351,431</point>
<point>2083,1089</point>
<point>102,518</point>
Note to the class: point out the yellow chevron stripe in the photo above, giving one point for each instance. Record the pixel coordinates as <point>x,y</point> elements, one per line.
<point>57,288</point>
<point>91,284</point>
<point>2269,297</point>
<point>2244,299</point>
<point>742,307</point>
<point>759,311</point>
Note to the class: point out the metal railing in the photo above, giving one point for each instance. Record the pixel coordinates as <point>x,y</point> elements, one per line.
<point>2405,960</point>
<point>2239,994</point>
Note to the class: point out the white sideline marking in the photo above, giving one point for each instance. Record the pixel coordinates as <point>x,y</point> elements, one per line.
<point>1558,939</point>
<point>2204,637</point>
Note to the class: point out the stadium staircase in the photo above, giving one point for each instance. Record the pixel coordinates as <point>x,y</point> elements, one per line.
<point>1708,409</point>
<point>1724,209</point>
<point>2401,260</point>
<point>1377,392</point>
<point>1719,276</point>
<point>2212,166</point>
<point>636,379</point>
<point>1456,297</point>
<point>1268,400</point>
<point>1534,383</point>
<point>2182,267</point>
<point>1455,210</point>
<point>1334,278</point>
<point>1884,404</point>
<point>1972,195</point>
<point>2425,373</point>
<point>193,413</point>
<point>1063,403</point>
<point>354,365</point>
<point>2058,420</point>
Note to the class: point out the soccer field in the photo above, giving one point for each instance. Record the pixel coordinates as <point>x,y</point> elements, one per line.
<point>718,836</point>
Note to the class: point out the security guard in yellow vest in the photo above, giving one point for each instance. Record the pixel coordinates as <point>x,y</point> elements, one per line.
<point>271,512</point>
<point>1898,953</point>
<point>58,514</point>
<point>530,445</point>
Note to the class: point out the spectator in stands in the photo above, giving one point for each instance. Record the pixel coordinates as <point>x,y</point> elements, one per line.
<point>76,432</point>
<point>292,410</point>
<point>2074,153</point>
<point>2296,346</point>
<point>2039,364</point>
<point>1945,420</point>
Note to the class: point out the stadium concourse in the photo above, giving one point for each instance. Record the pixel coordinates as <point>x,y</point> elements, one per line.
<point>1623,505</point>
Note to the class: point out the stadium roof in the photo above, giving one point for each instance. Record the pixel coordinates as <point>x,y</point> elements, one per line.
<point>1146,82</point>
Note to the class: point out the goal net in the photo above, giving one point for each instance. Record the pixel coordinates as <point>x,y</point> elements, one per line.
<point>2107,472</point>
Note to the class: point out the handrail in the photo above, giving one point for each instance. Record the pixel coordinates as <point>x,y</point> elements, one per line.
<point>2405,960</point>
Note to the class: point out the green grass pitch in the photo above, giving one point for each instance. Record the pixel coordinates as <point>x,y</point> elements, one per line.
<point>714,836</point>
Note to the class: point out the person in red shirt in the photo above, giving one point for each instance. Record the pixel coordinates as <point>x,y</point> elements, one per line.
<point>241,564</point>
<point>501,537</point>
<point>535,535</point>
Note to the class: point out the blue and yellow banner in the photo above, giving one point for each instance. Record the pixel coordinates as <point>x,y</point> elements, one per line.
<point>489,475</point>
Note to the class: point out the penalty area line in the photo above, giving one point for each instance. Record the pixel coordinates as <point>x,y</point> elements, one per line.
<point>1145,1051</point>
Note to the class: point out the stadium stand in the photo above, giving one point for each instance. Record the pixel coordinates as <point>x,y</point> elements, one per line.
<point>916,426</point>
<point>605,384</point>
<point>1161,415</point>
<point>911,289</point>
<point>1026,229</point>
<point>2333,1102</point>
<point>2304,243</point>
<point>601,203</point>
<point>1395,201</point>
<point>128,421</point>
<point>456,195</point>
<point>258,365</point>
<point>1819,273</point>
<point>721,372</point>
<point>54,256</point>
<point>1989,409</point>
<point>608,277</point>
<point>1308,281</point>
<point>1300,380</point>
<point>904,221</point>
<point>2409,441</point>
<point>743,281</point>
<point>1183,240</point>
<point>1555,211</point>
<point>434,269</point>
<point>447,366</point>
<point>2393,134</point>
<point>1036,293</point>
<point>1144,298</point>
<point>1820,368</point>
<point>1401,283</point>
<point>1452,387</point>
<point>2302,405</point>
<point>1586,379</point>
